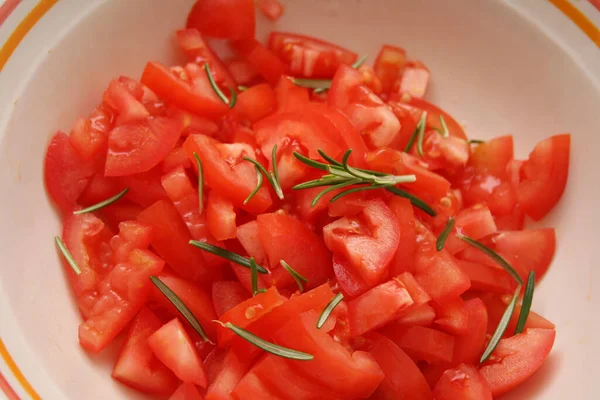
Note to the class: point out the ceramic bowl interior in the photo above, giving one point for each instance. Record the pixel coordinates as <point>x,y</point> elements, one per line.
<point>494,67</point>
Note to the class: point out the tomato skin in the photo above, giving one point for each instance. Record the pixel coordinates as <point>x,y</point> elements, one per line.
<point>248,236</point>
<point>225,19</point>
<point>66,173</point>
<point>516,359</point>
<point>255,103</point>
<point>403,379</point>
<point>351,283</point>
<point>493,156</point>
<point>421,315</point>
<point>404,258</point>
<point>433,115</point>
<point>186,391</point>
<point>232,177</point>
<point>180,94</point>
<point>475,222</point>
<point>355,375</point>
<point>497,304</point>
<point>307,56</point>
<point>172,345</point>
<point>421,343</point>
<point>145,188</point>
<point>233,370</point>
<point>220,217</point>
<point>129,108</point>
<point>171,240</point>
<point>137,366</point>
<point>486,278</point>
<point>544,176</point>
<point>120,297</point>
<point>89,136</point>
<point>138,147</point>
<point>226,295</point>
<point>369,241</point>
<point>285,238</point>
<point>377,307</point>
<point>462,383</point>
<point>266,63</point>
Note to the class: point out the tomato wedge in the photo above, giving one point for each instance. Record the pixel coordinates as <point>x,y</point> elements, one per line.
<point>225,19</point>
<point>267,64</point>
<point>421,343</point>
<point>226,295</point>
<point>186,391</point>
<point>389,65</point>
<point>220,217</point>
<point>464,383</point>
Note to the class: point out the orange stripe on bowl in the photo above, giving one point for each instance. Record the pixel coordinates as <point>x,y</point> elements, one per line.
<point>23,28</point>
<point>17,372</point>
<point>579,18</point>
<point>7,390</point>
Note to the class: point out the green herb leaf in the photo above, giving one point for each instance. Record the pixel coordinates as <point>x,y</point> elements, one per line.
<point>412,139</point>
<point>527,300</point>
<point>324,181</point>
<point>476,141</point>
<point>329,159</point>
<point>494,256</point>
<point>445,132</point>
<point>259,179</point>
<point>415,201</point>
<point>254,276</point>
<point>311,163</point>
<point>242,88</point>
<point>421,133</point>
<point>297,277</point>
<point>501,328</point>
<point>268,175</point>
<point>441,240</point>
<point>266,346</point>
<point>322,84</point>
<point>214,85</point>
<point>277,185</point>
<point>233,100</point>
<point>229,255</point>
<point>181,307</point>
<point>358,189</point>
<point>328,309</point>
<point>359,62</point>
<point>200,184</point>
<point>331,189</point>
<point>67,254</point>
<point>102,204</point>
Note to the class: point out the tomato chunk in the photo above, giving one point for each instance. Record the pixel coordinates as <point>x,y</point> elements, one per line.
<point>233,370</point>
<point>263,60</point>
<point>462,383</point>
<point>186,391</point>
<point>220,217</point>
<point>351,283</point>
<point>389,65</point>
<point>172,345</point>
<point>421,343</point>
<point>226,295</point>
<point>225,19</point>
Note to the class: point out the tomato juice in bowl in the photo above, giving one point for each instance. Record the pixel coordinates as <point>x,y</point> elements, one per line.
<point>485,72</point>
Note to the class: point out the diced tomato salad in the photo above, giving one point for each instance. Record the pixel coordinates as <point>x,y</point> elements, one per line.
<point>362,265</point>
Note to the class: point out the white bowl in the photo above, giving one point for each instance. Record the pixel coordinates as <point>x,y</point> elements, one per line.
<point>519,67</point>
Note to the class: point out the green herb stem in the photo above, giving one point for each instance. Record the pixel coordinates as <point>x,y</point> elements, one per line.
<point>328,309</point>
<point>200,183</point>
<point>67,255</point>
<point>441,240</point>
<point>527,300</point>
<point>259,180</point>
<point>297,277</point>
<point>501,328</point>
<point>102,204</point>
<point>228,255</point>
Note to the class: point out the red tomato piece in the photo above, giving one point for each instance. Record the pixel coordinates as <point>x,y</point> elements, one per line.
<point>415,79</point>
<point>226,295</point>
<point>475,222</point>
<point>290,97</point>
<point>193,296</point>
<point>416,292</point>
<point>531,249</point>
<point>186,391</point>
<point>517,358</point>
<point>493,156</point>
<point>137,366</point>
<point>263,60</point>
<point>369,241</point>
<point>225,19</point>
<point>129,108</point>
<point>199,51</point>
<point>436,271</point>
<point>285,238</point>
<point>138,147</point>
<point>421,315</point>
<point>248,236</point>
<point>99,189</point>
<point>452,317</point>
<point>242,72</point>
<point>307,56</point>
<point>251,387</point>
<point>220,217</point>
<point>544,176</point>
<point>255,103</point>
<point>354,375</point>
<point>119,212</point>
<point>233,370</point>
<point>468,348</point>
<point>403,379</point>
<point>462,383</point>
<point>144,189</point>
<point>377,307</point>
<point>66,173</point>
<point>120,297</point>
<point>405,214</point>
<point>515,221</point>
<point>272,9</point>
<point>179,93</point>
<point>497,304</point>
<point>351,283</point>
<point>433,115</point>
<point>421,343</point>
<point>132,235</point>
<point>89,136</point>
<point>227,173</point>
<point>389,65</point>
<point>486,278</point>
<point>172,345</point>
<point>171,240</point>
<point>177,157</point>
<point>246,312</point>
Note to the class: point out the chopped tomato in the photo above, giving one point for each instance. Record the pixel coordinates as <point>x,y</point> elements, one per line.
<point>452,317</point>
<point>469,347</point>
<point>248,236</point>
<point>226,295</point>
<point>186,391</point>
<point>389,66</point>
<point>89,136</point>
<point>497,304</point>
<point>544,176</point>
<point>351,283</point>
<point>172,345</point>
<point>220,217</point>
<point>475,222</point>
<point>415,79</point>
<point>145,188</point>
<point>242,71</point>
<point>272,9</point>
<point>307,56</point>
<point>121,211</point>
<point>233,370</point>
<point>226,172</point>
<point>289,96</point>
<point>378,306</point>
<point>225,19</point>
<point>421,343</point>
<point>255,103</point>
<point>404,258</point>
<point>516,359</point>
<point>137,366</point>
<point>260,58</point>
<point>129,108</point>
<point>487,278</point>
<point>462,383</point>
<point>420,315</point>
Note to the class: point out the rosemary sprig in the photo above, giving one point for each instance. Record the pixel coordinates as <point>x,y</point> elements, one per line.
<point>527,300</point>
<point>200,184</point>
<point>218,90</point>
<point>259,180</point>
<point>417,135</point>
<point>272,177</point>
<point>67,254</point>
<point>445,132</point>
<point>266,346</point>
<point>494,256</point>
<point>415,201</point>
<point>441,240</point>
<point>328,309</point>
<point>360,61</point>
<point>297,277</point>
<point>475,141</point>
<point>102,204</point>
<point>254,276</point>
<point>242,88</point>
<point>229,255</point>
<point>322,85</point>
<point>501,328</point>
<point>181,307</point>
